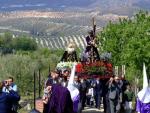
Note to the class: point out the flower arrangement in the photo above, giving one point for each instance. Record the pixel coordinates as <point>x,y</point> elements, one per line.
<point>95,70</point>
<point>64,65</point>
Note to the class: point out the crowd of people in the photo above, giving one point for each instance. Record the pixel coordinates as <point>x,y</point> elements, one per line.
<point>9,96</point>
<point>114,94</point>
<point>67,93</point>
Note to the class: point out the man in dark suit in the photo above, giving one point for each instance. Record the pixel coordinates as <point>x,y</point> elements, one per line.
<point>83,90</point>
<point>97,92</point>
<point>7,100</point>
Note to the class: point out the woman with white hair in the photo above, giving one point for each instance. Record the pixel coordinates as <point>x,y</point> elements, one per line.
<point>70,53</point>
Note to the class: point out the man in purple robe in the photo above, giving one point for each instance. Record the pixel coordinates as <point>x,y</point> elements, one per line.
<point>143,104</point>
<point>143,98</point>
<point>59,101</point>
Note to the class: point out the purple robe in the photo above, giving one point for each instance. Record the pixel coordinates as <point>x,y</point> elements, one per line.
<point>76,101</point>
<point>142,107</point>
<point>60,100</point>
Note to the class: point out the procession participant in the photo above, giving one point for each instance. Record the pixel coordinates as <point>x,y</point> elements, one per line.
<point>127,99</point>
<point>75,95</point>
<point>66,73</point>
<point>70,53</point>
<point>57,99</point>
<point>120,94</point>
<point>83,90</point>
<point>105,95</point>
<point>90,96</point>
<point>98,92</point>
<point>77,83</point>
<point>113,95</point>
<point>143,97</point>
<point>54,76</point>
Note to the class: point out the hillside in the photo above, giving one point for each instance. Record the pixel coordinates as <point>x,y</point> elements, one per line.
<point>53,22</point>
<point>53,29</point>
<point>105,6</point>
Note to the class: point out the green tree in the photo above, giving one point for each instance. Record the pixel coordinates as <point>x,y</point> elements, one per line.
<point>6,43</point>
<point>24,43</point>
<point>129,42</point>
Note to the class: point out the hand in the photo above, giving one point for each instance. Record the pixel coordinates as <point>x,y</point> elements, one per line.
<point>45,100</point>
<point>111,80</point>
<point>6,83</point>
<point>48,88</point>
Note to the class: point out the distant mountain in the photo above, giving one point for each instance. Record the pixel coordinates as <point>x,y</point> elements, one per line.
<point>144,4</point>
<point>106,6</point>
<point>42,4</point>
<point>50,3</point>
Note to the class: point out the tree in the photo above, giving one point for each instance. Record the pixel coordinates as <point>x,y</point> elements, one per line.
<point>6,43</point>
<point>129,42</point>
<point>25,44</point>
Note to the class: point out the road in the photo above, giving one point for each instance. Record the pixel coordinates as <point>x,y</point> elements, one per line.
<point>92,110</point>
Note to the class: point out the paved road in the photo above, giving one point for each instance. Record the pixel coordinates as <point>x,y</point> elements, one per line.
<point>92,110</point>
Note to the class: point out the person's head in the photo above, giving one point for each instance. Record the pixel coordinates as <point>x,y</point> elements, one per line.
<point>128,87</point>
<point>54,75</point>
<point>66,72</point>
<point>76,78</point>
<point>116,79</point>
<point>82,80</point>
<point>10,80</point>
<point>123,77</point>
<point>71,47</point>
